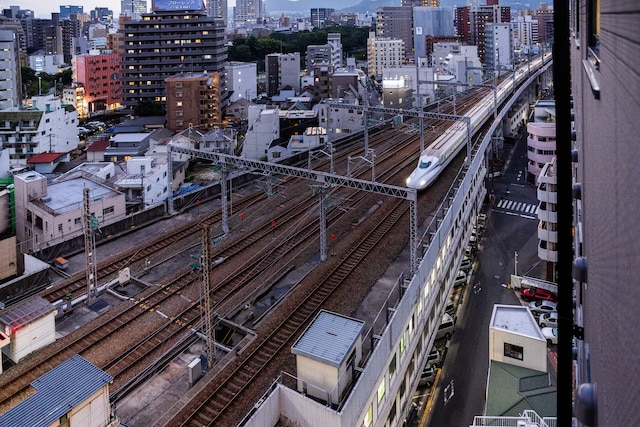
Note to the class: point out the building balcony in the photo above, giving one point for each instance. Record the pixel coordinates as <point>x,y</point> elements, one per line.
<point>545,234</point>
<point>547,196</point>
<point>548,216</point>
<point>547,251</point>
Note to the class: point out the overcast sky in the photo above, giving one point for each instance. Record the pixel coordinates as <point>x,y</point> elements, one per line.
<point>43,9</point>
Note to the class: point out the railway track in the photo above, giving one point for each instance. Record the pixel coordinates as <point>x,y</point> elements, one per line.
<point>172,330</point>
<point>222,392</point>
<point>175,328</point>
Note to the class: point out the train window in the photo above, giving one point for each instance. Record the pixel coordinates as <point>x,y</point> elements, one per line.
<point>424,165</point>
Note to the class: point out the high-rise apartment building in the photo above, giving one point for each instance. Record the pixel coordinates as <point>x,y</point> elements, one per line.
<point>544,17</point>
<point>133,8</point>
<point>320,16</point>
<point>471,24</point>
<point>335,42</point>
<point>193,100</point>
<point>383,53</point>
<point>10,76</point>
<point>68,10</point>
<point>498,46</point>
<point>164,43</point>
<point>524,30</point>
<point>248,12</point>
<point>218,9</point>
<point>396,22</point>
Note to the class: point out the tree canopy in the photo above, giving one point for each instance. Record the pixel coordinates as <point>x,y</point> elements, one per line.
<point>252,49</point>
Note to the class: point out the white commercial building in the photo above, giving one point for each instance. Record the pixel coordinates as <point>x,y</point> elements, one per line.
<point>499,46</point>
<point>383,53</point>
<point>243,81</point>
<point>46,126</point>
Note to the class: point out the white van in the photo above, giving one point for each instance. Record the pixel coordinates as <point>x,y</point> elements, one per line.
<point>446,327</point>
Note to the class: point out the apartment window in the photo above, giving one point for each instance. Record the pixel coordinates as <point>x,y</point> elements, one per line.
<point>381,390</point>
<point>77,221</point>
<point>368,417</point>
<point>513,351</point>
<point>108,210</point>
<point>179,104</point>
<point>392,366</point>
<point>59,228</point>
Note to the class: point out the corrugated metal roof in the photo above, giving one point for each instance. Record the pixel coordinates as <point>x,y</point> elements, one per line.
<point>57,392</point>
<point>328,338</point>
<point>512,389</point>
<point>25,311</point>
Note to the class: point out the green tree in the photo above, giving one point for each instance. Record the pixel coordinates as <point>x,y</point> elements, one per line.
<point>148,107</point>
<point>243,53</point>
<point>266,46</point>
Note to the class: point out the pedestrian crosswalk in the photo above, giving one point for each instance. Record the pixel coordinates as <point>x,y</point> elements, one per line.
<point>513,206</point>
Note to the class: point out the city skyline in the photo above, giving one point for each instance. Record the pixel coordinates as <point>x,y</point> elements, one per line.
<point>44,11</point>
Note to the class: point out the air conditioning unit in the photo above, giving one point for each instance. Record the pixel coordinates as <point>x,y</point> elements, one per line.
<point>45,199</point>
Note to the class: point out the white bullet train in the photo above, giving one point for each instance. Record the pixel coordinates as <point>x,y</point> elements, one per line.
<point>437,156</point>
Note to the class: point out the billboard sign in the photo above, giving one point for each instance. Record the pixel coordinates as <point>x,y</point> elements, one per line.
<point>163,5</point>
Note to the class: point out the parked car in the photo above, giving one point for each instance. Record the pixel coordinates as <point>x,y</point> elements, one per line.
<point>466,264</point>
<point>542,306</point>
<point>434,358</point>
<point>450,308</point>
<point>461,279</point>
<point>548,320</point>
<point>551,335</point>
<point>536,294</point>
<point>482,221</point>
<point>445,330</point>
<point>428,376</point>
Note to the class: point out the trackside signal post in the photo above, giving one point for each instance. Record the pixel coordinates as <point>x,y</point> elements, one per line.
<point>91,224</point>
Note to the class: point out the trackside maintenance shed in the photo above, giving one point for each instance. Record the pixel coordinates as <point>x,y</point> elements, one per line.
<point>30,325</point>
<point>73,394</point>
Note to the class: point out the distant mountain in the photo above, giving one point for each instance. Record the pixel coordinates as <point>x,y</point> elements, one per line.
<point>303,7</point>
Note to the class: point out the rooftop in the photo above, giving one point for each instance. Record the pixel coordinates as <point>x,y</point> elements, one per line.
<point>68,195</point>
<point>328,338</point>
<point>57,393</point>
<point>25,312</point>
<point>516,319</point>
